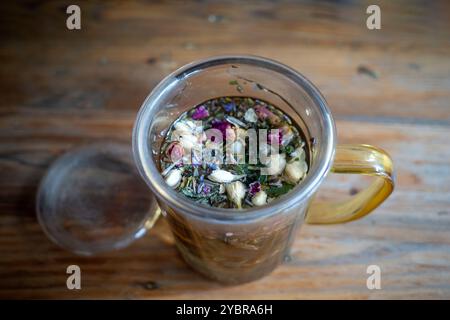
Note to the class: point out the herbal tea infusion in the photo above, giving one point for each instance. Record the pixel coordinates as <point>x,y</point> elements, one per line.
<point>233,152</point>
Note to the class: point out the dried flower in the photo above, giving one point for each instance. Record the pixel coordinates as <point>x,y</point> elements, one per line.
<point>295,170</point>
<point>221,125</point>
<point>223,176</point>
<point>185,126</point>
<point>263,112</point>
<point>255,187</point>
<point>259,199</point>
<point>230,106</point>
<point>251,116</point>
<point>173,178</point>
<point>209,167</point>
<point>175,151</point>
<point>200,113</point>
<point>236,192</point>
<point>206,189</point>
<point>275,136</point>
<point>274,120</point>
<point>276,164</point>
<point>188,141</point>
<point>224,127</point>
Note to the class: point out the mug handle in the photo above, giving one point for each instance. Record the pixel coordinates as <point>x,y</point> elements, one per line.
<point>356,159</point>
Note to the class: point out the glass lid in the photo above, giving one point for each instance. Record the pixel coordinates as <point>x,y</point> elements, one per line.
<point>92,199</point>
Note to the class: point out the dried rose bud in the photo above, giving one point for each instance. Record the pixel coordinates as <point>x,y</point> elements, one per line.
<point>275,136</point>
<point>263,112</point>
<point>274,120</point>
<point>175,151</point>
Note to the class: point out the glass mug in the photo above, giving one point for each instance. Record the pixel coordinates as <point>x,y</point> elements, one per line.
<point>236,246</point>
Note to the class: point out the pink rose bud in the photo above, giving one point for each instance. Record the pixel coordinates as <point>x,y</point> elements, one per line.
<point>263,112</point>
<point>274,137</point>
<point>175,151</point>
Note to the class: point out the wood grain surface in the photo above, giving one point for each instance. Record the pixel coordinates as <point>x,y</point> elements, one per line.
<point>388,87</point>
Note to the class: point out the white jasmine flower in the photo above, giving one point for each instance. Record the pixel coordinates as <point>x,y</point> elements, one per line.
<point>260,198</point>
<point>295,170</point>
<point>236,192</point>
<point>223,176</point>
<point>188,141</point>
<point>173,178</point>
<point>276,164</point>
<point>184,126</point>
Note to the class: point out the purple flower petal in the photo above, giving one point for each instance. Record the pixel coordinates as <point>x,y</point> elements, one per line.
<point>255,187</point>
<point>221,125</point>
<point>229,106</point>
<point>200,113</point>
<point>206,189</point>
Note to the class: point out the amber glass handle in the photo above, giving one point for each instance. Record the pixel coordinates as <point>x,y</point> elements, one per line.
<point>356,159</point>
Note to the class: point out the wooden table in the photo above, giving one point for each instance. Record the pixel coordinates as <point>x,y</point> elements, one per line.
<point>388,87</point>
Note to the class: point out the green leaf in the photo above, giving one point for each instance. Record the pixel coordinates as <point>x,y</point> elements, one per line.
<point>289,149</point>
<point>262,179</point>
<point>275,191</point>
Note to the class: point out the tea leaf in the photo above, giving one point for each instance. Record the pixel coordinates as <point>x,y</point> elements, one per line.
<point>275,191</point>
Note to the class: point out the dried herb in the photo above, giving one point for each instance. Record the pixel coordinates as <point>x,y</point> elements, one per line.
<point>276,191</point>
<point>213,181</point>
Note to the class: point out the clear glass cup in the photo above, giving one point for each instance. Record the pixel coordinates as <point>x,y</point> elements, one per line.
<point>236,246</point>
